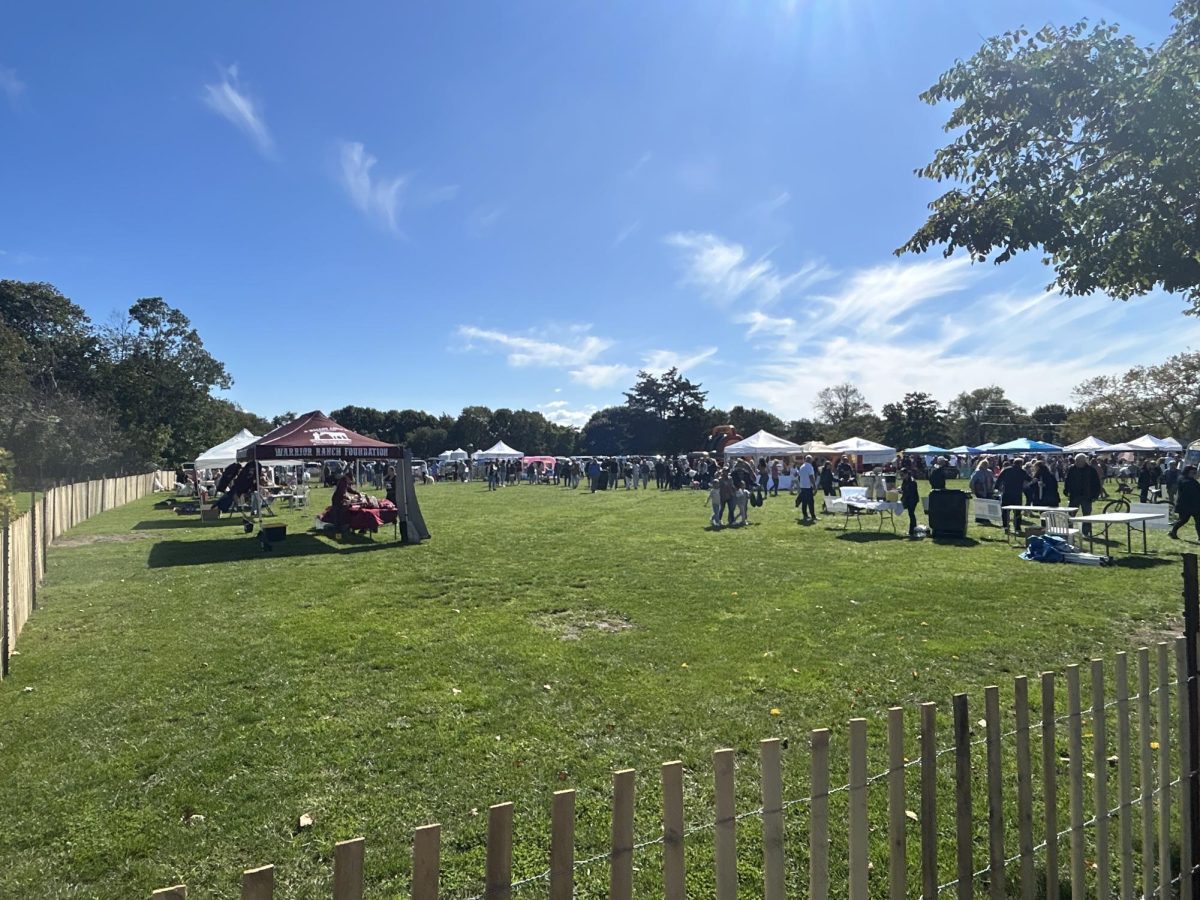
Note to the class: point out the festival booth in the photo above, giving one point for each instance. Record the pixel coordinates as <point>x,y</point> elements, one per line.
<point>499,450</point>
<point>225,453</point>
<point>452,455</point>
<point>1025,445</point>
<point>819,448</point>
<point>1089,444</point>
<point>314,437</point>
<point>763,443</point>
<point>1148,443</point>
<point>869,453</point>
<point>1192,456</point>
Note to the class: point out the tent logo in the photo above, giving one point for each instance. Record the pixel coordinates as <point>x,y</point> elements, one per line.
<point>326,436</point>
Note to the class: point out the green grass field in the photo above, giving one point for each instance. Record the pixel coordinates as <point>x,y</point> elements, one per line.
<point>541,639</point>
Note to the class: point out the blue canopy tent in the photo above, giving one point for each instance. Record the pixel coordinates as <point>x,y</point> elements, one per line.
<point>926,450</point>
<point>964,450</point>
<point>1026,445</point>
<point>984,448</point>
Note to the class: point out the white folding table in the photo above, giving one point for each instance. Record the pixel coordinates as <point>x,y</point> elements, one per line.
<point>1128,519</point>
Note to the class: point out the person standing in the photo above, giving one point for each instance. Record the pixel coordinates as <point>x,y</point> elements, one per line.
<point>1047,485</point>
<point>728,492</point>
<point>776,471</point>
<point>910,499</point>
<point>1145,481</point>
<point>806,476</point>
<point>1187,506</point>
<point>937,475</point>
<point>825,479</point>
<point>593,474</point>
<point>1170,479</point>
<point>1011,482</point>
<point>1082,487</point>
<point>983,482</point>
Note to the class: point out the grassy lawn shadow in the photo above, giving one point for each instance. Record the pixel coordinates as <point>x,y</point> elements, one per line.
<point>1142,562</point>
<point>166,554</point>
<point>182,522</point>
<point>865,537</point>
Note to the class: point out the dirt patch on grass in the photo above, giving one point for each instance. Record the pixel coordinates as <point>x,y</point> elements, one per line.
<point>84,540</point>
<point>572,624</point>
<point>1150,634</point>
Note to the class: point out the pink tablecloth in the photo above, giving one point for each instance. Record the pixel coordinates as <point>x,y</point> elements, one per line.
<point>365,518</point>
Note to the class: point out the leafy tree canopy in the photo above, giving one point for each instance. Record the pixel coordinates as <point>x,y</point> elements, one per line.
<point>1081,143</point>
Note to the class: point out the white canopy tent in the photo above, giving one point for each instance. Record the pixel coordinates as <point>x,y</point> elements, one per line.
<point>820,448</point>
<point>452,455</point>
<point>871,452</point>
<point>762,443</point>
<point>499,450</point>
<point>1089,444</point>
<point>1148,442</point>
<point>224,453</point>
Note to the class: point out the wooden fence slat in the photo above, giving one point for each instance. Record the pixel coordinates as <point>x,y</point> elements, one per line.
<point>620,886</point>
<point>175,892</point>
<point>348,860</point>
<point>929,835</point>
<point>1028,874</point>
<point>562,846</point>
<point>818,860</point>
<point>1100,783</point>
<point>1124,779</point>
<point>859,837</point>
<point>725,836</point>
<point>1075,777</point>
<point>772,819</point>
<point>498,882</point>
<point>1185,752</point>
<point>427,864</point>
<point>673,856</point>
<point>258,884</point>
<point>1145,736</point>
<point>897,808</point>
<point>1164,774</point>
<point>964,827</point>
<point>995,788</point>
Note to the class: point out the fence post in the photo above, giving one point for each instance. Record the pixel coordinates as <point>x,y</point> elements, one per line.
<point>1191,630</point>
<point>5,595</point>
<point>33,553</point>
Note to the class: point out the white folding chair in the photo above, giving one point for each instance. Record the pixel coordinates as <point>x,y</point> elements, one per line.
<point>1058,523</point>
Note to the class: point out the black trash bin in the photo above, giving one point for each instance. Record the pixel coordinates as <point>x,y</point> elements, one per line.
<point>948,513</point>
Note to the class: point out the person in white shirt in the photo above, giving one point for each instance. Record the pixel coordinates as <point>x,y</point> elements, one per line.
<point>806,477</point>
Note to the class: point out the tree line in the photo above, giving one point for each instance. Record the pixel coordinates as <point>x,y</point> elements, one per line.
<point>80,400</point>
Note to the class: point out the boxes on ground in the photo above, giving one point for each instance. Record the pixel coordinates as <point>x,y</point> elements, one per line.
<point>274,532</point>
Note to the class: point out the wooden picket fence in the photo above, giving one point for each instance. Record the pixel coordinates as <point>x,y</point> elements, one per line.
<point>25,540</point>
<point>1128,805</point>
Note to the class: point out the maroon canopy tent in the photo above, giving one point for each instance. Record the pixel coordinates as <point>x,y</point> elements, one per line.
<point>315,436</point>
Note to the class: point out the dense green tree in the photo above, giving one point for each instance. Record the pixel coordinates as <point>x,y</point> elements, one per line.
<point>985,414</point>
<point>1163,399</point>
<point>802,431</point>
<point>1049,422</point>
<point>749,421</point>
<point>845,411</point>
<point>915,420</point>
<point>1082,143</point>
<point>426,442</point>
<point>677,402</point>
<point>472,429</point>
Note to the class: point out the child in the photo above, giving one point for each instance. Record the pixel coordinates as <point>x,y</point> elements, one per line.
<point>742,499</point>
<point>714,497</point>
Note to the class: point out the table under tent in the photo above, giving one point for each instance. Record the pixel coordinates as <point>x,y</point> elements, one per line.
<point>314,437</point>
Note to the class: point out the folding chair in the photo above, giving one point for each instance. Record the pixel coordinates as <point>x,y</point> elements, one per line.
<point>1058,523</point>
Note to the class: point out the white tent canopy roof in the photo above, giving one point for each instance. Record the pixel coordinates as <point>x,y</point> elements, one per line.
<point>451,455</point>
<point>224,453</point>
<point>870,451</point>
<point>820,448</point>
<point>1150,442</point>
<point>762,443</point>
<point>499,450</point>
<point>1089,444</point>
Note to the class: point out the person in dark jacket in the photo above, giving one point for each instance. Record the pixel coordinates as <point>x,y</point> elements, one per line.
<point>937,475</point>
<point>1048,485</point>
<point>910,499</point>
<point>825,479</point>
<point>1011,484</point>
<point>1145,481</point>
<point>1187,502</point>
<point>1082,486</point>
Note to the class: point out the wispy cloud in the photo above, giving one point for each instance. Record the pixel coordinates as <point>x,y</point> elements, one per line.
<point>561,413</point>
<point>921,327</point>
<point>524,350</point>
<point>641,163</point>
<point>597,376</point>
<point>658,361</point>
<point>377,198</point>
<point>483,218</point>
<point>12,86</point>
<point>227,99</point>
<point>627,232</point>
<point>726,272</point>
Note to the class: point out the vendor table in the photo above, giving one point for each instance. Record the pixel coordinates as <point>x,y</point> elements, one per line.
<point>1128,519</point>
<point>885,509</point>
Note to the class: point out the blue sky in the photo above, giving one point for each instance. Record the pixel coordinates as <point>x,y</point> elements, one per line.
<point>521,204</point>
